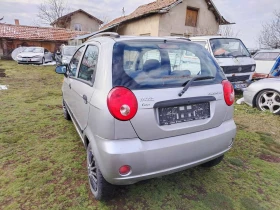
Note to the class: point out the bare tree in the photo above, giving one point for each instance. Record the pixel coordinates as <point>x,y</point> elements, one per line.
<point>270,33</point>
<point>51,10</point>
<point>227,30</point>
<point>105,19</point>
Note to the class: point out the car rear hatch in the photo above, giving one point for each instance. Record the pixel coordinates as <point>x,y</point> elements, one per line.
<point>161,116</point>
<point>156,77</point>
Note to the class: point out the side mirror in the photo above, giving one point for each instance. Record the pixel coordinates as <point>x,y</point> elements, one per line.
<point>61,69</point>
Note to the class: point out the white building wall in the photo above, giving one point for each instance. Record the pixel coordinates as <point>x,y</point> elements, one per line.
<point>87,23</point>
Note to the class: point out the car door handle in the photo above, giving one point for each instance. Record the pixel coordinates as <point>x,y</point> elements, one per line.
<point>85,99</point>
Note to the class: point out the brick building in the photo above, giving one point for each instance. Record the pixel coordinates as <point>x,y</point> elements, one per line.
<point>14,36</point>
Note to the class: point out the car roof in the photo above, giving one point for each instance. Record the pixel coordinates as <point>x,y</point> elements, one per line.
<point>127,38</point>
<point>211,37</point>
<point>271,50</point>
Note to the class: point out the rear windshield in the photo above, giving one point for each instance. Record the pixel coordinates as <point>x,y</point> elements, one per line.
<point>159,64</point>
<point>268,56</point>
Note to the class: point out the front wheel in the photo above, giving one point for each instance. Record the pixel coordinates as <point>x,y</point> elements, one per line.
<point>65,111</point>
<point>269,100</point>
<point>99,187</point>
<point>213,162</point>
<point>43,61</point>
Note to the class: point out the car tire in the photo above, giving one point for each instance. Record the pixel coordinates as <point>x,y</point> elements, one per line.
<point>268,99</point>
<point>65,111</point>
<point>100,188</point>
<point>43,61</point>
<point>213,162</point>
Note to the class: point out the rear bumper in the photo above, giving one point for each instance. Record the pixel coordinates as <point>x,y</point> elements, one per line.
<point>149,159</point>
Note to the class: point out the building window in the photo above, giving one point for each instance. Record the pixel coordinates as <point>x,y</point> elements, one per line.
<point>191,16</point>
<point>78,27</point>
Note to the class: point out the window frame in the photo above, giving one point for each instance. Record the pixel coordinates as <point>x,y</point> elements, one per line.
<point>79,26</point>
<point>192,9</point>
<point>78,66</point>
<point>90,83</point>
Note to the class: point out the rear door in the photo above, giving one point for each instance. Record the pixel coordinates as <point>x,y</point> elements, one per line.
<point>83,85</point>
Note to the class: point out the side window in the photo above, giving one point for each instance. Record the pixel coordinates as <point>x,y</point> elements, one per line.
<point>75,62</point>
<point>46,51</point>
<point>88,65</point>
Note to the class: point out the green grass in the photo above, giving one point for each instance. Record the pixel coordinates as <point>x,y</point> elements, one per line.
<point>42,159</point>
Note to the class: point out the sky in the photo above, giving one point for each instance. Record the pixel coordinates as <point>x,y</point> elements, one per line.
<point>249,15</point>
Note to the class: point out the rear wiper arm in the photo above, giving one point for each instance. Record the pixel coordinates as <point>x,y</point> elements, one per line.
<point>189,83</point>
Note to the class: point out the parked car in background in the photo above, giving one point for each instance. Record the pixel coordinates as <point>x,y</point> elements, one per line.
<point>35,55</point>
<point>143,110</point>
<point>268,64</point>
<point>233,57</point>
<point>65,55</point>
<point>264,94</point>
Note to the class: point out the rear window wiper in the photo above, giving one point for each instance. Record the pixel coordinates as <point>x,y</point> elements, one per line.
<point>187,84</point>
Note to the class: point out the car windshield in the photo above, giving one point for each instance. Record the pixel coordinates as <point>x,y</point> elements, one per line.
<point>269,56</point>
<point>160,64</point>
<point>33,49</point>
<point>225,47</point>
<point>69,51</point>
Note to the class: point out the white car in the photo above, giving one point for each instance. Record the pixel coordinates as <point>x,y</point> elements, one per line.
<point>264,94</point>
<point>232,56</point>
<point>268,64</point>
<point>36,55</point>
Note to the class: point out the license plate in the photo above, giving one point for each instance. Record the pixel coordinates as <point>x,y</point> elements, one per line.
<point>186,113</point>
<point>240,86</point>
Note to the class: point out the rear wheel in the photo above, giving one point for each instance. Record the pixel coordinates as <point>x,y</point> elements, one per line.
<point>269,100</point>
<point>99,187</point>
<point>213,162</point>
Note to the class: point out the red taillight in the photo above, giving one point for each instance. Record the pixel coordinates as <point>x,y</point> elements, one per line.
<point>122,103</point>
<point>228,92</point>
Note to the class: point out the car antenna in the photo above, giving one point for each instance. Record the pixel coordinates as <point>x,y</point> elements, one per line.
<point>123,14</point>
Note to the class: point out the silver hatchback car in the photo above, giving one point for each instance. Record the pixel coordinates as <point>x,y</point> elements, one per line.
<point>146,107</point>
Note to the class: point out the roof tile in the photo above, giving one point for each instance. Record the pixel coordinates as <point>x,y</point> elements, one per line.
<point>37,33</point>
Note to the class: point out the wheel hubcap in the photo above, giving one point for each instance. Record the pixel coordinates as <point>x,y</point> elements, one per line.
<point>92,173</point>
<point>270,100</point>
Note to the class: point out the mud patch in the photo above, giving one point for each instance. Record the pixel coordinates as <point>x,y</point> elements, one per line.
<point>2,73</point>
<point>270,158</point>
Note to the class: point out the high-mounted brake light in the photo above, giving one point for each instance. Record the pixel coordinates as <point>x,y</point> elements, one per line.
<point>122,103</point>
<point>228,92</point>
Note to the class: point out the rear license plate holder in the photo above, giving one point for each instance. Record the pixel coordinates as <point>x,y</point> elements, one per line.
<point>183,113</point>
